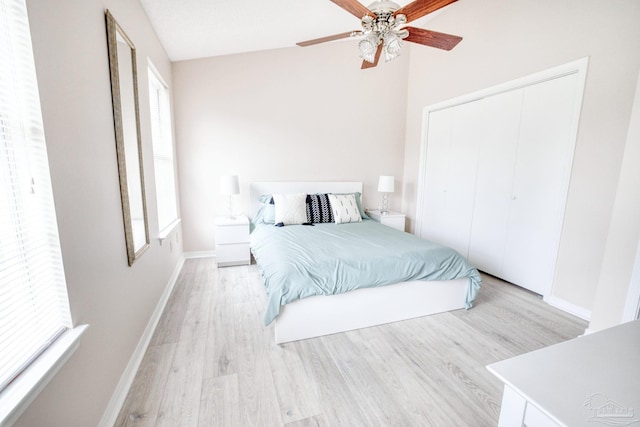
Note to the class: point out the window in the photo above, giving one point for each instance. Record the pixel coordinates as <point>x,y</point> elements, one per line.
<point>34,307</point>
<point>162,152</point>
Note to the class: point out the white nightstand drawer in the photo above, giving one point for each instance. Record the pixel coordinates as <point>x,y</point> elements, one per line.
<point>232,234</point>
<point>396,222</point>
<point>235,254</point>
<point>232,241</point>
<point>391,219</point>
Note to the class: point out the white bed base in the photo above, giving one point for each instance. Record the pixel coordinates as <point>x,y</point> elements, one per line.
<point>324,315</point>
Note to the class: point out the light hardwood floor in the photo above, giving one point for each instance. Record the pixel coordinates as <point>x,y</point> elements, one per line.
<point>212,362</point>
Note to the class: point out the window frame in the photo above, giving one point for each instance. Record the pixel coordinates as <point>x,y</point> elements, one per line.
<point>163,150</point>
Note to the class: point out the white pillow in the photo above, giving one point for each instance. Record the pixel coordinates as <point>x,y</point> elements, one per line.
<point>290,208</point>
<point>345,208</point>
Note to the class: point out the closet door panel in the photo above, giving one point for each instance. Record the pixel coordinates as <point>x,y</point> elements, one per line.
<point>450,178</point>
<point>433,221</point>
<point>460,190</point>
<point>545,150</point>
<point>496,161</point>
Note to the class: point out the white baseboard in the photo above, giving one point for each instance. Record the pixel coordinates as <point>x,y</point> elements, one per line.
<point>568,307</point>
<point>126,380</point>
<point>200,254</point>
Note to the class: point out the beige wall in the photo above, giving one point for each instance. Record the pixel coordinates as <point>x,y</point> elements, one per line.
<point>624,233</point>
<point>288,114</point>
<point>70,47</point>
<point>504,40</point>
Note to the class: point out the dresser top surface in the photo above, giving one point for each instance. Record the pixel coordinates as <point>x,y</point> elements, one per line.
<point>590,378</point>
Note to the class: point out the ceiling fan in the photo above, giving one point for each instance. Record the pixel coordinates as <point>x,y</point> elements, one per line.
<point>383,28</point>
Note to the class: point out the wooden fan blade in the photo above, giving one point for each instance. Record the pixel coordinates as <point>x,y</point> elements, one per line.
<point>325,39</point>
<point>367,64</point>
<point>354,7</point>
<point>432,38</point>
<point>420,8</point>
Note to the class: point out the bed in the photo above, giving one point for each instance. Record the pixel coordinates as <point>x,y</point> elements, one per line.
<point>376,274</point>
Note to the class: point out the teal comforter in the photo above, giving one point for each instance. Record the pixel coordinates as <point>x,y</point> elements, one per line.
<point>299,261</point>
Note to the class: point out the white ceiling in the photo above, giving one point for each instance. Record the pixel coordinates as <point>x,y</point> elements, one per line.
<point>190,29</point>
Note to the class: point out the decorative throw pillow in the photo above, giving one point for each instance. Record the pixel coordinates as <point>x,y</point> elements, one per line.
<point>290,209</point>
<point>345,208</point>
<point>319,208</point>
<point>358,202</point>
<point>268,208</point>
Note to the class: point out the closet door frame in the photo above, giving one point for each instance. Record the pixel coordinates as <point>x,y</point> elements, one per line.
<point>578,67</point>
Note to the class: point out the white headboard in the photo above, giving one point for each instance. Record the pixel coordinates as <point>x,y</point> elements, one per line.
<point>256,189</point>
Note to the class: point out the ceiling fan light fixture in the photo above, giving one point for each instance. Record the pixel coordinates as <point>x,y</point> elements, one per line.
<point>368,47</point>
<point>382,29</point>
<point>392,46</point>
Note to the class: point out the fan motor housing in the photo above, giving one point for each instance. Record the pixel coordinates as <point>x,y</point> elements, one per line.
<point>379,7</point>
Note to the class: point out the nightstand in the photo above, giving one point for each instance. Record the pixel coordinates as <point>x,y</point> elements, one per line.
<point>232,241</point>
<point>390,219</point>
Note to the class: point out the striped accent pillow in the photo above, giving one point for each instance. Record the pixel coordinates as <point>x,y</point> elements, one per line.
<point>319,208</point>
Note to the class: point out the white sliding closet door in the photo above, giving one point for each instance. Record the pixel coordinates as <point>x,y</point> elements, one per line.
<point>437,163</point>
<point>496,159</point>
<point>451,166</point>
<point>545,151</point>
<point>496,173</point>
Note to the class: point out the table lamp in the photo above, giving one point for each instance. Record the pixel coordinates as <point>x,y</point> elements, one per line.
<point>229,186</point>
<point>385,186</point>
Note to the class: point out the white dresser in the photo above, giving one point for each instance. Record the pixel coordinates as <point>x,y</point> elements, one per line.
<point>391,219</point>
<point>593,380</point>
<point>232,241</point>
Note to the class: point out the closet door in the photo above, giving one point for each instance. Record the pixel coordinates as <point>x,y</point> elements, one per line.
<point>433,207</point>
<point>498,142</point>
<point>545,150</point>
<point>450,175</point>
<point>497,173</point>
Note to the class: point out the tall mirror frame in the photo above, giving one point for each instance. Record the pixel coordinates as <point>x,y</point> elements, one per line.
<point>126,117</point>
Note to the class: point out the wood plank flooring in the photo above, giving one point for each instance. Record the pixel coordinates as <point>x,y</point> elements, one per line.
<point>212,362</point>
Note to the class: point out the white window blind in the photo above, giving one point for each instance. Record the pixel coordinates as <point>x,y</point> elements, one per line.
<point>34,307</point>
<point>162,150</point>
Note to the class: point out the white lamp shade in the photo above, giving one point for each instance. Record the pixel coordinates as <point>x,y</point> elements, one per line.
<point>385,184</point>
<point>229,185</point>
